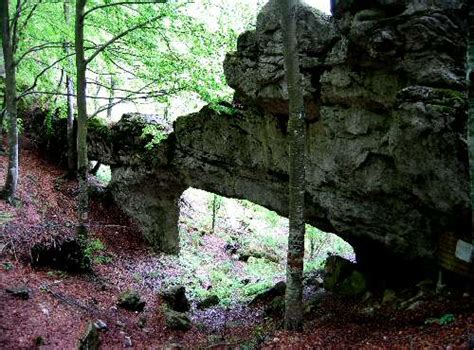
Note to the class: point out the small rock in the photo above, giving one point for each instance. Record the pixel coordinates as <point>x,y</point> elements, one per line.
<point>176,299</point>
<point>131,300</point>
<point>120,324</point>
<point>211,300</point>
<point>177,320</point>
<point>21,292</point>
<point>101,325</point>
<point>44,310</point>
<point>127,342</point>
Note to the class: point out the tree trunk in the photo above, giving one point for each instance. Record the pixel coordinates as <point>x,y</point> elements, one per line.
<point>111,98</point>
<point>71,144</point>
<point>11,111</point>
<point>297,129</point>
<point>470,84</point>
<point>82,163</point>
<point>2,116</point>
<point>215,208</point>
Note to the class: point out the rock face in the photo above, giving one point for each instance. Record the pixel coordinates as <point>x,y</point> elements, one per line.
<point>384,86</point>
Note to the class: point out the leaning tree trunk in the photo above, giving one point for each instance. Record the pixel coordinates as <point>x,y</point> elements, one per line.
<point>82,163</point>
<point>11,110</point>
<point>71,144</point>
<point>297,129</point>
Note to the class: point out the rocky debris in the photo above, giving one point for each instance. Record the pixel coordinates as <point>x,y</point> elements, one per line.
<point>268,295</point>
<point>341,277</point>
<point>177,320</point>
<point>19,292</point>
<point>91,339</point>
<point>67,255</point>
<point>211,300</point>
<point>131,300</point>
<point>176,299</point>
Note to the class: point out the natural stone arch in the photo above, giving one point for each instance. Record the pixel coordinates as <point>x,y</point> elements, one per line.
<point>387,162</point>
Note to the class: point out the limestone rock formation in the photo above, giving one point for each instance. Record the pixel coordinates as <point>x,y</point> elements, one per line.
<point>386,164</point>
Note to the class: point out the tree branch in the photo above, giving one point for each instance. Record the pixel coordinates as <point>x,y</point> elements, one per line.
<point>28,17</point>
<point>14,34</point>
<point>35,82</point>
<point>123,3</point>
<point>38,48</point>
<point>121,35</point>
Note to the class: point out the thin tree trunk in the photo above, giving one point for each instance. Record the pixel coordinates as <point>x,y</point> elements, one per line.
<point>470,84</point>
<point>214,213</point>
<point>2,118</point>
<point>111,98</point>
<point>297,128</point>
<point>82,163</point>
<point>10,95</point>
<point>71,144</point>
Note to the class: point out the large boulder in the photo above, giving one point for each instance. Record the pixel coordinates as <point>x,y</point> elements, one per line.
<point>342,277</point>
<point>176,299</point>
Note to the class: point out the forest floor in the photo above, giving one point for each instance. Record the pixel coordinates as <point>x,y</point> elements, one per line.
<point>62,304</point>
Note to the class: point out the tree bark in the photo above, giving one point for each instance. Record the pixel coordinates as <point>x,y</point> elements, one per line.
<point>297,129</point>
<point>71,144</point>
<point>82,163</point>
<point>470,84</point>
<point>8,39</point>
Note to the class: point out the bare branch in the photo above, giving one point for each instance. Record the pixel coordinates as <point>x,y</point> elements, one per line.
<point>130,97</point>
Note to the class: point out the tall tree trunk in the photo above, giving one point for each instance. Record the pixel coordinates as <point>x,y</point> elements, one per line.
<point>82,163</point>
<point>71,144</point>
<point>11,112</point>
<point>297,129</point>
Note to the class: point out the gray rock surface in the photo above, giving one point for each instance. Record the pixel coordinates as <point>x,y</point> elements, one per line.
<point>386,161</point>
